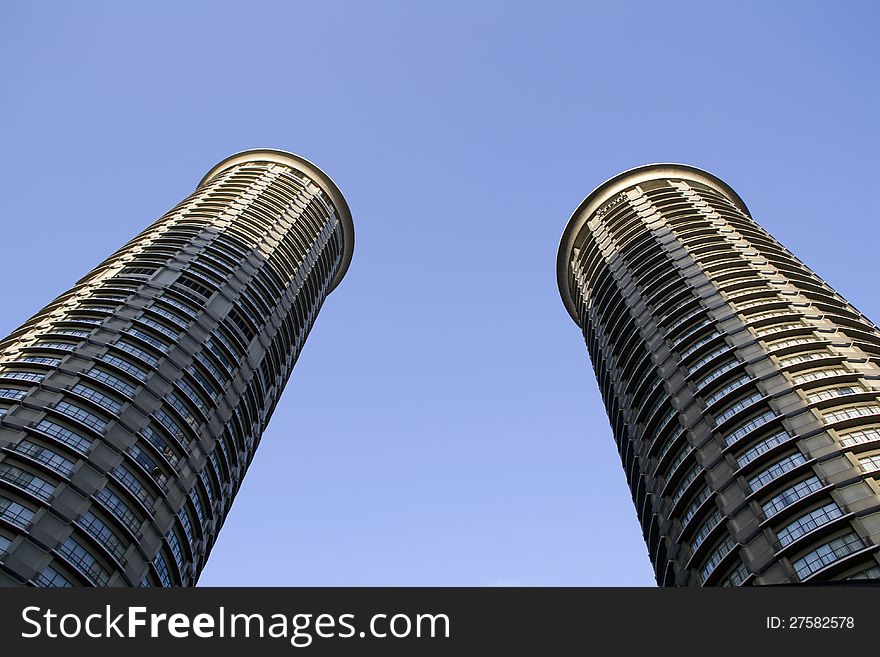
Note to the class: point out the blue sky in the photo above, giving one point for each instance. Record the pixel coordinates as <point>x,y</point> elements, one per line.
<point>443,425</point>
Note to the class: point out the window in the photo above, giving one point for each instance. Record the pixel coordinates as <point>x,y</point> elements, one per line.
<point>177,304</point>
<point>161,328</point>
<point>98,530</point>
<point>149,339</point>
<point>137,352</point>
<point>83,561</point>
<point>721,550</point>
<point>815,375</point>
<point>40,360</point>
<point>125,366</point>
<point>736,577</point>
<point>98,398</point>
<point>706,380</point>
<point>706,528</point>
<point>718,395</point>
<point>760,448</point>
<point>870,463</point>
<point>204,382</point>
<point>170,425</point>
<point>807,523</point>
<point>839,415</point>
<point>81,415</point>
<point>64,346</point>
<point>708,358</point>
<point>737,406</point>
<point>833,393</point>
<point>790,342</point>
<point>4,546</point>
<point>64,435</point>
<point>153,437</point>
<point>79,333</point>
<point>162,569</point>
<point>31,483</point>
<point>870,573</point>
<point>159,310</point>
<point>124,476</point>
<point>113,381</point>
<point>12,393</point>
<point>175,402</point>
<point>52,578</point>
<point>187,527</point>
<point>695,504</point>
<point>23,376</point>
<point>46,457</point>
<point>827,554</point>
<point>791,495</point>
<point>692,474</point>
<point>778,328</point>
<point>176,552</point>
<point>197,503</point>
<point>776,470</point>
<point>148,464</point>
<point>745,429</point>
<point>803,358</point>
<point>860,437</point>
<point>15,513</point>
<point>193,395</point>
<point>208,365</point>
<point>114,504</point>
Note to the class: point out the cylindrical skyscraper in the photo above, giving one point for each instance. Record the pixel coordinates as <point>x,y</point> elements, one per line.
<point>742,390</point>
<point>131,406</point>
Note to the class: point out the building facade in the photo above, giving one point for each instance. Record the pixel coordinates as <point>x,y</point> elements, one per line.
<point>743,392</point>
<point>131,406</point>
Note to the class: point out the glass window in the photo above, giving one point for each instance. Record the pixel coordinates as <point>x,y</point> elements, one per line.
<point>870,463</point>
<point>36,377</point>
<point>720,394</point>
<point>137,352</point>
<point>81,559</point>
<point>737,406</point>
<point>81,415</point>
<point>860,437</point>
<point>98,530</point>
<point>736,577</point>
<point>841,414</point>
<point>827,554</point>
<point>31,483</point>
<point>725,545</point>
<point>762,447</point>
<point>119,509</point>
<point>709,524</point>
<point>99,398</point>
<point>46,457</point>
<point>162,570</point>
<point>745,429</point>
<point>706,380</point>
<point>807,523</point>
<point>12,393</point>
<point>125,366</point>
<point>52,578</point>
<point>708,358</point>
<point>776,470</point>
<point>833,393</point>
<point>15,513</point>
<point>113,381</point>
<point>815,375</point>
<point>791,495</point>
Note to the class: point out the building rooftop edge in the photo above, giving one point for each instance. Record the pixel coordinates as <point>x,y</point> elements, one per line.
<point>312,171</point>
<point>615,185</point>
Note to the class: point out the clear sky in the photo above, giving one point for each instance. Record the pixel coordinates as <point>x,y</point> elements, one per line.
<point>443,425</point>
